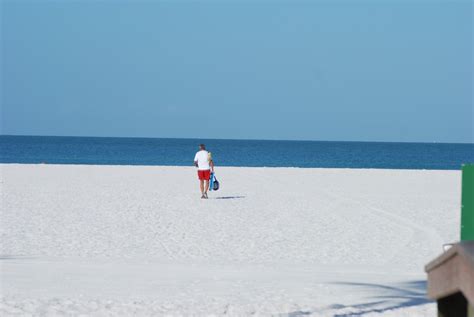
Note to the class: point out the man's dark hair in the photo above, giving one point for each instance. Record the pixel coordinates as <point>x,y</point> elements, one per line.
<point>202,146</point>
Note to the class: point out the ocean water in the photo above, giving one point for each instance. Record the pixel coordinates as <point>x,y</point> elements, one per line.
<point>180,152</point>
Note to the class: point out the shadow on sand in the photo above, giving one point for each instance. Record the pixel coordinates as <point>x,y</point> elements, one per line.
<point>390,297</point>
<point>229,197</point>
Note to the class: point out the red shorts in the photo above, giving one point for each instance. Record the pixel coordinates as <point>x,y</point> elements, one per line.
<point>204,175</point>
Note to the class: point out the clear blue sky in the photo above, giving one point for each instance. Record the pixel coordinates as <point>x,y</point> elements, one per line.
<point>318,70</point>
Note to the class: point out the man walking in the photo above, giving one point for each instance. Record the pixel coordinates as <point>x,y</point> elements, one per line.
<point>203,161</point>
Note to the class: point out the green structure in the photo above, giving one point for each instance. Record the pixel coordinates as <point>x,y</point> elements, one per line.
<point>467,203</point>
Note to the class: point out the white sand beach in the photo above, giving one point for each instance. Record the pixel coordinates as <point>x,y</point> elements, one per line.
<point>136,240</point>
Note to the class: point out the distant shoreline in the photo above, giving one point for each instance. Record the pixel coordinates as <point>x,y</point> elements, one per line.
<point>232,167</point>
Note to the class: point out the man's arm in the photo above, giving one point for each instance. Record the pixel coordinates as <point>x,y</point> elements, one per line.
<point>211,164</point>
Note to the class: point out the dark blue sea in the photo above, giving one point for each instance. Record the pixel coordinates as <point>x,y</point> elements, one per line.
<point>151,151</point>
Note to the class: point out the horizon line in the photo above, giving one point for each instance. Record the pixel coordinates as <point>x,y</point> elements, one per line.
<point>229,139</point>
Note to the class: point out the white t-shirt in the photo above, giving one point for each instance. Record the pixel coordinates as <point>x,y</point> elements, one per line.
<point>202,158</point>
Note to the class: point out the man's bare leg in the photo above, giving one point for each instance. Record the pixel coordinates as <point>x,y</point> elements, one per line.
<point>206,187</point>
<point>201,185</point>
